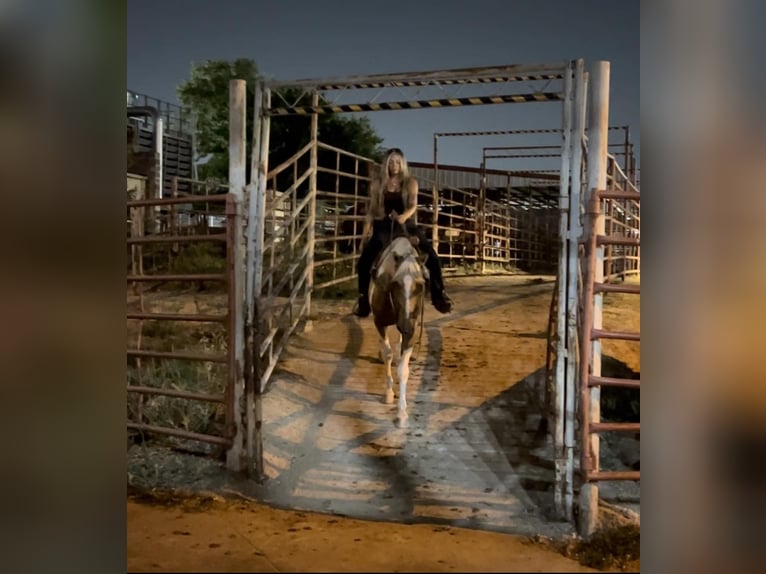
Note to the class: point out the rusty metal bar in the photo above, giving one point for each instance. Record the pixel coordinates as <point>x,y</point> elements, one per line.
<point>180,277</point>
<point>178,200</point>
<point>181,433</point>
<point>618,194</point>
<point>175,355</point>
<point>177,238</point>
<point>609,427</point>
<point>613,475</point>
<point>617,240</point>
<point>594,381</point>
<point>511,147</point>
<point>433,76</point>
<point>178,317</point>
<point>620,335</point>
<point>522,155</point>
<point>176,393</point>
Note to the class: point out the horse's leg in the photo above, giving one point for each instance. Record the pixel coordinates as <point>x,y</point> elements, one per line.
<point>387,355</point>
<point>403,373</point>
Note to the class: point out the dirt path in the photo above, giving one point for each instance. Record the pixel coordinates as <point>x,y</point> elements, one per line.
<point>247,537</point>
<point>461,489</point>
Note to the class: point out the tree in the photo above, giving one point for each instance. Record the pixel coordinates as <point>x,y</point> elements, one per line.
<point>206,94</point>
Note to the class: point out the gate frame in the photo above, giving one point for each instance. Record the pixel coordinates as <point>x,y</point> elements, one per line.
<point>574,106</point>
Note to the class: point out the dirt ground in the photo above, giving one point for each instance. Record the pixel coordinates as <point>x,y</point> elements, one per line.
<point>328,507</point>
<point>224,536</point>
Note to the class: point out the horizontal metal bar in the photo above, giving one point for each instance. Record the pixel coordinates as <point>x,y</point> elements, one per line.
<point>322,145</point>
<point>288,162</point>
<point>181,433</point>
<point>521,155</point>
<point>510,132</point>
<point>179,356</point>
<point>335,281</point>
<point>594,381</point>
<point>617,288</point>
<point>613,475</point>
<point>433,76</point>
<point>610,427</point>
<point>176,393</point>
<point>620,335</point>
<point>617,194</point>
<point>178,200</point>
<point>178,317</point>
<point>510,147</point>
<point>616,240</point>
<point>180,277</point>
<point>419,104</point>
<point>177,238</point>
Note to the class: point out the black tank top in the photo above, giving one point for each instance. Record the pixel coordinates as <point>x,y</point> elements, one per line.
<point>392,201</point>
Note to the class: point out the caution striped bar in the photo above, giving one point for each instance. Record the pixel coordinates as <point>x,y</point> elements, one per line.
<point>457,82</point>
<point>413,105</point>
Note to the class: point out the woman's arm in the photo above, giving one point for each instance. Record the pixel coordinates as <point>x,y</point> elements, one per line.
<point>372,209</point>
<point>411,200</point>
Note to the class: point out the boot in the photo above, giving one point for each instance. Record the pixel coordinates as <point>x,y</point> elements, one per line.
<point>441,301</point>
<point>362,307</point>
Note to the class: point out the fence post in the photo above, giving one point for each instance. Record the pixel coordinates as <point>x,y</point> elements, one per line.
<point>575,232</point>
<point>558,394</point>
<point>590,405</point>
<point>311,231</point>
<point>435,195</point>
<point>237,129</point>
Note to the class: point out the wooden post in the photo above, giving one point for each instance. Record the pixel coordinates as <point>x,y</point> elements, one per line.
<point>237,125</point>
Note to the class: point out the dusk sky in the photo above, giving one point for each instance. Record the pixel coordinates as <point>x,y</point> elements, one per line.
<point>311,39</point>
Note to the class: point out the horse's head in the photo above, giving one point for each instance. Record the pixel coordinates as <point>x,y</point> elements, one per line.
<point>401,281</point>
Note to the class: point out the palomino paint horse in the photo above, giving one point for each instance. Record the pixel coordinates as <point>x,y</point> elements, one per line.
<point>397,298</point>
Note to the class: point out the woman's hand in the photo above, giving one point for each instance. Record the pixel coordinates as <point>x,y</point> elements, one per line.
<point>400,219</point>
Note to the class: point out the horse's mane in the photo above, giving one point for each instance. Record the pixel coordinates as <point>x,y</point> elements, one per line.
<point>405,258</point>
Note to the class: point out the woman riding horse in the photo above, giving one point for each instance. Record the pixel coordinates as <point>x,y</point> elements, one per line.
<point>394,201</point>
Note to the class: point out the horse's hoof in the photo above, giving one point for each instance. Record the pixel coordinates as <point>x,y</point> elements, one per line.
<point>389,397</point>
<point>402,423</point>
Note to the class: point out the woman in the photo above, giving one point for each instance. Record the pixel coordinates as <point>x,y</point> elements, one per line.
<point>394,202</point>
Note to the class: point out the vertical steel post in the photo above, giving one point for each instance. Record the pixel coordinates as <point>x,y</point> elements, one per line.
<point>590,407</point>
<point>561,332</point>
<point>573,296</point>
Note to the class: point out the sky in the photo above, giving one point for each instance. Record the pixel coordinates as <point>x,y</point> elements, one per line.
<point>300,39</point>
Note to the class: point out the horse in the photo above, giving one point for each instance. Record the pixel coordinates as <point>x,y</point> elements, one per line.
<point>397,294</point>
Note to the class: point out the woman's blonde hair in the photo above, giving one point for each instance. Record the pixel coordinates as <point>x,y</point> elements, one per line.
<point>381,175</point>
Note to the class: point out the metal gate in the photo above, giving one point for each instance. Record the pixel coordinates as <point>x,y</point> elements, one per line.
<point>183,360</point>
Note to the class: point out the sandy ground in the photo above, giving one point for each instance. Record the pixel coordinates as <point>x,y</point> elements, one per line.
<point>248,537</point>
<point>477,483</point>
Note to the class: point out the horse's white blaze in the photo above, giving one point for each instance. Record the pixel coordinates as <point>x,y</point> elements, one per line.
<point>408,284</point>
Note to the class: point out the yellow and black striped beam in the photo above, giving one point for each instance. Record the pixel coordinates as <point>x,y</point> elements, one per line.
<point>418,104</point>
<point>457,82</point>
